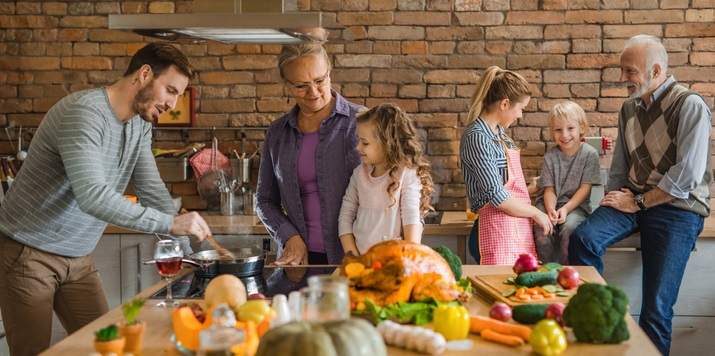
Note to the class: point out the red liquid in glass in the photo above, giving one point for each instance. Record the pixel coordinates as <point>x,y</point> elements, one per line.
<point>168,266</point>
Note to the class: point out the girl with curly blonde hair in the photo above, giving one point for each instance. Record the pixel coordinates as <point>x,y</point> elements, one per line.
<point>391,190</point>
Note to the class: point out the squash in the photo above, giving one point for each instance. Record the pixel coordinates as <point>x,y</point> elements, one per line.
<point>225,288</point>
<point>353,337</point>
<point>187,327</point>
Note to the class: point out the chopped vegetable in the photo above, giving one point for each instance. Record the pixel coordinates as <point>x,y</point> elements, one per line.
<point>452,321</point>
<point>454,262</point>
<point>477,324</point>
<point>417,313</point>
<point>548,338</point>
<point>596,314</point>
<point>509,340</point>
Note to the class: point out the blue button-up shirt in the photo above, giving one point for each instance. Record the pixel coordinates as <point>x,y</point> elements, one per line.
<point>336,159</point>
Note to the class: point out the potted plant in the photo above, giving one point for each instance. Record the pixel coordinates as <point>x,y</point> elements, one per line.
<point>108,341</point>
<point>132,329</point>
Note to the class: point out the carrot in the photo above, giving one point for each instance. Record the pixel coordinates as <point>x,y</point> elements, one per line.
<point>550,295</point>
<point>525,297</point>
<point>537,296</point>
<point>520,292</point>
<point>533,291</point>
<point>510,340</point>
<point>477,324</point>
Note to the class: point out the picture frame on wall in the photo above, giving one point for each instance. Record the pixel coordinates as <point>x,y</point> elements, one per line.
<point>183,113</point>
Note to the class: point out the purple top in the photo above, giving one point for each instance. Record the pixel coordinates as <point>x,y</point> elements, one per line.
<point>308,184</point>
<point>336,158</point>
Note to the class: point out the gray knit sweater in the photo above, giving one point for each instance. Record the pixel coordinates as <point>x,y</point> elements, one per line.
<point>71,184</point>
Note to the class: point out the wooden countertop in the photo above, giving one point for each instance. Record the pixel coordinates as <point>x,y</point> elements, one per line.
<point>159,329</point>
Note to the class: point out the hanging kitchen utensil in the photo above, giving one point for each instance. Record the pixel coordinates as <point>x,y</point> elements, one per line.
<point>209,181</point>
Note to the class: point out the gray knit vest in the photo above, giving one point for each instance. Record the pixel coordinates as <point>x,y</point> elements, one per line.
<point>652,142</point>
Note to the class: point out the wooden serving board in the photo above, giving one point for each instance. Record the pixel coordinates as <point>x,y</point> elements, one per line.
<point>490,288</point>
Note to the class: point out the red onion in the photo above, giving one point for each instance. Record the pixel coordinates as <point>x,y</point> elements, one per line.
<point>555,311</point>
<point>525,263</point>
<point>500,311</point>
<point>568,278</point>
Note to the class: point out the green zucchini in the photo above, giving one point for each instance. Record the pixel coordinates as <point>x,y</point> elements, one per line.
<point>529,313</point>
<point>533,279</point>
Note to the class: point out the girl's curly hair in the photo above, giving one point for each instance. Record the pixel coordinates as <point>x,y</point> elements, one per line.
<point>398,137</point>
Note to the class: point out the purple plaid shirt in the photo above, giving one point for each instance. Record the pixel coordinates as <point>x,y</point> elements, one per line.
<point>278,184</point>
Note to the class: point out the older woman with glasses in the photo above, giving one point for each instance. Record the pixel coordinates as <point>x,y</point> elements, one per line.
<point>307,159</point>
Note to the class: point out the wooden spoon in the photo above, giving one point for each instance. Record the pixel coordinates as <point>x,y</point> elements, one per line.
<point>221,251</point>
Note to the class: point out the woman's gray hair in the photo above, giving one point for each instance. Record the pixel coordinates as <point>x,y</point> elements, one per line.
<point>289,53</point>
<point>655,51</point>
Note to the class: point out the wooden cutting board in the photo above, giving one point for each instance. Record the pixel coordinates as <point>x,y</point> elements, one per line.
<point>490,288</point>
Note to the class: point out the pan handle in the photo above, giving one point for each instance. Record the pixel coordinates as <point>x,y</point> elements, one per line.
<point>183,260</point>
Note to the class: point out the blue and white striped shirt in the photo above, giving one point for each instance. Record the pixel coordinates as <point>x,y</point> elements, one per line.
<point>484,164</point>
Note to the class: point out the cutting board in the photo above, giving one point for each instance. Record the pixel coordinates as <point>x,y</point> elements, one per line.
<point>490,288</point>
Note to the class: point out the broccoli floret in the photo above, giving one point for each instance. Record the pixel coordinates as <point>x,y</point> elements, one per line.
<point>454,262</point>
<point>596,314</point>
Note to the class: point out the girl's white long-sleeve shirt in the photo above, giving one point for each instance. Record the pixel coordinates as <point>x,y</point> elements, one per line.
<point>366,210</point>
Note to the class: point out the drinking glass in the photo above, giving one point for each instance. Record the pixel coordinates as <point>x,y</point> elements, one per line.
<point>325,299</point>
<point>167,254</point>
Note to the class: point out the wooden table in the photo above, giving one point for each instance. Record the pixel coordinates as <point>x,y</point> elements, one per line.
<point>159,329</point>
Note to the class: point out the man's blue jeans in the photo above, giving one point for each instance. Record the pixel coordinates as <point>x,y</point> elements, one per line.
<point>668,235</point>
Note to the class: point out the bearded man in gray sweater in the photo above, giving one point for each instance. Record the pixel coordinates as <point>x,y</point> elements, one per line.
<point>87,149</point>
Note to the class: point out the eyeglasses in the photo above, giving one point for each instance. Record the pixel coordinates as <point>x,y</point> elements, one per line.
<point>303,87</point>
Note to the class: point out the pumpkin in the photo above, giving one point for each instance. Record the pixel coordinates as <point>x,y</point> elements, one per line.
<point>353,337</point>
<point>187,327</point>
<point>225,288</point>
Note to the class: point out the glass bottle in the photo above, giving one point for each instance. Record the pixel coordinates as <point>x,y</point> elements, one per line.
<point>218,339</point>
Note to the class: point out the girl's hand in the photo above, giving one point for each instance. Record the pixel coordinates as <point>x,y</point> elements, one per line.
<point>295,253</point>
<point>553,216</point>
<point>545,222</point>
<point>561,215</point>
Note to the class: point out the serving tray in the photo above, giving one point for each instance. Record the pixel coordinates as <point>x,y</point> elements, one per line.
<point>490,288</point>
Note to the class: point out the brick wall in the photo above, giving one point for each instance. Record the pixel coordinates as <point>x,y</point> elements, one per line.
<point>424,55</point>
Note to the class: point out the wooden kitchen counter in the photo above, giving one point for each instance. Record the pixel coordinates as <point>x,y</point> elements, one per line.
<point>159,329</point>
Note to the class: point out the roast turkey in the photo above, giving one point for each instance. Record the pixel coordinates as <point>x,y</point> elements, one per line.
<point>408,272</point>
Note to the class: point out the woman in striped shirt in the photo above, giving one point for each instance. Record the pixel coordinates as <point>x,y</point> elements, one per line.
<point>492,171</point>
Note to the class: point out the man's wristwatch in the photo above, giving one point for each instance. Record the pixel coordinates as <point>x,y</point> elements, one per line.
<point>639,201</point>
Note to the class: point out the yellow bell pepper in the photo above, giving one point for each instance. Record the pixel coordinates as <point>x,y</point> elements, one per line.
<point>452,321</point>
<point>547,338</point>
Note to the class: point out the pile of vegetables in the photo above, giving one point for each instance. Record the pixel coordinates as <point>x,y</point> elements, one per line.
<point>418,313</point>
<point>597,313</point>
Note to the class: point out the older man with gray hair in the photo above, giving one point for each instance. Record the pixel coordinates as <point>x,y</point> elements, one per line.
<point>659,183</point>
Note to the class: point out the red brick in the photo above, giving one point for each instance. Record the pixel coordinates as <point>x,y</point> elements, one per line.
<point>28,8</point>
<point>536,60</point>
<point>479,18</point>
<point>451,76</point>
<point>441,91</point>
<point>242,91</point>
<point>554,4</point>
<point>222,77</point>
<point>414,47</point>
<point>84,21</point>
<point>703,44</point>
<point>15,105</point>
<point>592,60</point>
<point>378,5</point>
<point>571,76</point>
<point>100,35</point>
<point>253,119</point>
<point>408,105</point>
<point>161,7</point>
<point>269,105</point>
<point>498,47</point>
<point>699,15</point>
<point>206,63</point>
<point>613,90</point>
<point>702,58</point>
<point>383,90</point>
<point>444,105</point>
<point>9,91</point>
<point>358,5</point>
<point>586,46</point>
<point>396,33</point>
<point>107,8</point>
<point>557,90</point>
<point>614,46</point>
<point>398,76</point>
<point>245,62</point>
<point>603,119</point>
<point>413,91</point>
<point>344,75</point>
<point>219,49</point>
<point>363,60</point>
<point>54,8</point>
<point>365,18</point>
<point>674,4</point>
<point>386,47</point>
<point>86,49</point>
<point>514,33</point>
<point>628,31</point>
<point>422,18</point>
<point>571,31</point>
<point>705,89</point>
<point>609,104</point>
<point>690,30</point>
<point>32,49</point>
<point>358,47</point>
<point>470,47</point>
<point>696,4</point>
<point>232,105</point>
<point>534,17</point>
<point>29,63</point>
<point>443,147</point>
<point>644,4</point>
<point>248,49</point>
<point>411,5</point>
<point>27,120</point>
<point>594,17</point>
<point>354,90</point>
<point>358,32</point>
<point>527,133</point>
<point>524,5</point>
<point>585,90</point>
<point>28,21</point>
<point>7,8</point>
<point>80,8</point>
<point>677,59</point>
<point>87,63</point>
<point>496,5</point>
<point>416,61</point>
<point>584,4</point>
<point>653,16</point>
<point>476,61</point>
<point>454,33</point>
<point>434,120</point>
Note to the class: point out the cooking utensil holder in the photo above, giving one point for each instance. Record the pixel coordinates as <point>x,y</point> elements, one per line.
<point>230,203</point>
<point>241,169</point>
<point>249,202</point>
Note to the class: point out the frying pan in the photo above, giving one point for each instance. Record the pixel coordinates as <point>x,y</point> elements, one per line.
<point>210,263</point>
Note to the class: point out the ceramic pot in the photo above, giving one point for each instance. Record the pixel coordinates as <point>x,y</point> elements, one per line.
<point>108,347</point>
<point>133,334</point>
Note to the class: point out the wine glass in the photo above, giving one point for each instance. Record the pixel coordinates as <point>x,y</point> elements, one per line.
<point>167,254</point>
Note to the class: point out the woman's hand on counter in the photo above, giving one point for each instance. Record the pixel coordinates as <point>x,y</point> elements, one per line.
<point>295,253</point>
<point>190,224</point>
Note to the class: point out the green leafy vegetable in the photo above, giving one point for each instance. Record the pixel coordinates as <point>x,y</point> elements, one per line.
<point>417,313</point>
<point>596,314</point>
<point>454,262</point>
<point>131,310</point>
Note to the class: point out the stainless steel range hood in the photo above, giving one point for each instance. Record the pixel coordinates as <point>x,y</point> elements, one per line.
<point>234,22</point>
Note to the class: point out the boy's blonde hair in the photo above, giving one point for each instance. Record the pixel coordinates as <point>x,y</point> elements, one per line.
<point>397,135</point>
<point>568,110</point>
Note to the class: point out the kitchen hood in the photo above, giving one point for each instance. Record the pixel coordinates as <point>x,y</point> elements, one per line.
<point>234,22</point>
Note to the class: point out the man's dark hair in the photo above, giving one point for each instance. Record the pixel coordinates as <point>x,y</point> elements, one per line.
<point>160,56</point>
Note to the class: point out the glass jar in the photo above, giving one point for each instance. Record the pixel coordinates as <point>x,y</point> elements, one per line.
<point>325,298</point>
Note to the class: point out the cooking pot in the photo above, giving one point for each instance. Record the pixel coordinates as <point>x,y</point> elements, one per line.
<point>242,262</point>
